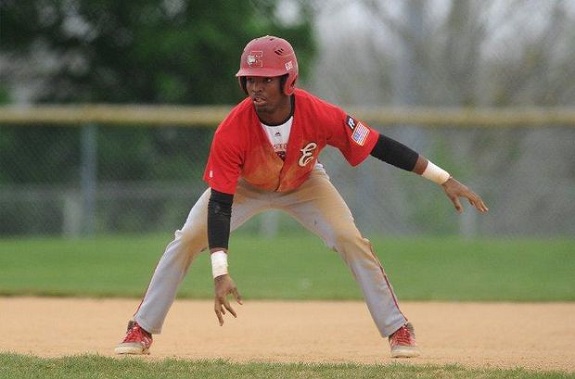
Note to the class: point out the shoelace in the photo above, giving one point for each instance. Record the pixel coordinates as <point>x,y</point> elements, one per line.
<point>137,334</point>
<point>402,336</point>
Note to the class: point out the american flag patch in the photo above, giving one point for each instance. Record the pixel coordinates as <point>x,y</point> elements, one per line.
<point>360,134</point>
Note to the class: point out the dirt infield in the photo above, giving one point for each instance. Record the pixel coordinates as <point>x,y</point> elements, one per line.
<point>532,336</point>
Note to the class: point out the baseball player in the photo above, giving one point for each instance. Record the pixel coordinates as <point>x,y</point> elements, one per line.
<point>264,156</point>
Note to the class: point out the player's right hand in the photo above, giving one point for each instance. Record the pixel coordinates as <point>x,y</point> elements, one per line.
<point>223,286</point>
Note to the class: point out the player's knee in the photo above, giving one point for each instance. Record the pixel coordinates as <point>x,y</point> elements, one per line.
<point>350,244</point>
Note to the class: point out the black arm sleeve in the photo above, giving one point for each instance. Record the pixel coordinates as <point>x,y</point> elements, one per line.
<point>219,217</point>
<point>394,153</point>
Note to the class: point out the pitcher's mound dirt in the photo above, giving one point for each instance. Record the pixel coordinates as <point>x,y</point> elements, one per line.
<point>532,336</point>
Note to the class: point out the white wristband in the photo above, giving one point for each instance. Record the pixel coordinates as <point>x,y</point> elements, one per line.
<point>219,263</point>
<point>435,174</point>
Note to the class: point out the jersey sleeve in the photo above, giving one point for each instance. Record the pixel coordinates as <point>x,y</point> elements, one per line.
<point>224,164</point>
<point>355,139</point>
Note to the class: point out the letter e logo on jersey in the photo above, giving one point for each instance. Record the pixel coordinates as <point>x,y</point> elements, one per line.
<point>307,154</point>
<point>255,59</point>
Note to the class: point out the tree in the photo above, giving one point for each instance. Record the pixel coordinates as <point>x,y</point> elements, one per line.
<point>109,51</point>
<point>465,53</point>
<point>148,51</point>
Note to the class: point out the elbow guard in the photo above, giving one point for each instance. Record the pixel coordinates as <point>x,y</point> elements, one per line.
<point>394,153</point>
<point>219,219</point>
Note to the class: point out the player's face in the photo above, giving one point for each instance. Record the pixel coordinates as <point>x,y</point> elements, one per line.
<point>272,105</point>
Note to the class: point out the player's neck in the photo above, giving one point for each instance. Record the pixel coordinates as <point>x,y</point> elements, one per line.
<point>280,114</point>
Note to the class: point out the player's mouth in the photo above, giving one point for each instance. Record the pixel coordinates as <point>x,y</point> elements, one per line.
<point>258,101</point>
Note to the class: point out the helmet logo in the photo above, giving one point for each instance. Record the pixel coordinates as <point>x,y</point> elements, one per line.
<point>254,59</point>
<point>289,66</point>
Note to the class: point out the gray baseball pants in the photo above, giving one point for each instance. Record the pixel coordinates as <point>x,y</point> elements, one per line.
<point>318,206</point>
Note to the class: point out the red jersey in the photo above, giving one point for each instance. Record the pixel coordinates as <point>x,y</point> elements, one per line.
<point>241,148</point>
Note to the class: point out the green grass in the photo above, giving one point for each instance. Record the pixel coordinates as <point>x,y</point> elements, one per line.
<point>297,267</point>
<point>23,367</point>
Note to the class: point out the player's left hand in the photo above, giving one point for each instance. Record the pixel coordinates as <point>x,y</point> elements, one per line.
<point>224,285</point>
<point>454,190</point>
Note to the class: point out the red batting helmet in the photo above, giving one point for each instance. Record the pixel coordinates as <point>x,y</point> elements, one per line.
<point>269,56</point>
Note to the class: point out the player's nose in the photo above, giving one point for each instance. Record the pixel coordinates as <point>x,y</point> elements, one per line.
<point>256,86</point>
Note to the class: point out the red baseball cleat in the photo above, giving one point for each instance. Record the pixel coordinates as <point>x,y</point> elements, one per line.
<point>137,341</point>
<point>402,342</point>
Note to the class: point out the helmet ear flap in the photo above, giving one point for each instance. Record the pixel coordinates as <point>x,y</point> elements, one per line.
<point>289,84</point>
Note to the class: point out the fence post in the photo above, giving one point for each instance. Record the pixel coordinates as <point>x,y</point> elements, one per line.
<point>88,178</point>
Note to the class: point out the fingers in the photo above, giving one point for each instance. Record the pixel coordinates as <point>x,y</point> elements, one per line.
<point>220,311</point>
<point>227,305</point>
<point>219,314</point>
<point>456,190</point>
<point>237,296</point>
<point>477,202</point>
<point>222,304</point>
<point>229,308</point>
<point>480,206</point>
<point>457,204</point>
<point>473,199</point>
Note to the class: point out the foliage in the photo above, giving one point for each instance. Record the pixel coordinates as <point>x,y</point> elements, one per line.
<point>105,51</point>
<point>149,51</point>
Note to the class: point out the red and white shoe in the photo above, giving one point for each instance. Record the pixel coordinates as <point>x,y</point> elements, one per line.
<point>402,342</point>
<point>137,341</point>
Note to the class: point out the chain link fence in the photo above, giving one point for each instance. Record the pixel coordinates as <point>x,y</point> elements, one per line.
<point>104,172</point>
<point>75,180</point>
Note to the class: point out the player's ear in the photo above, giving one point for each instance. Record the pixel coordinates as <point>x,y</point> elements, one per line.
<point>242,81</point>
